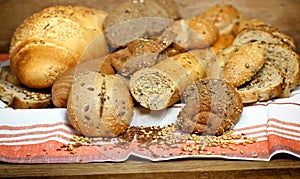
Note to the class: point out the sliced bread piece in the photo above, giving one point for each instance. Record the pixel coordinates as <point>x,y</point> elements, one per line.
<point>266,84</point>
<point>288,62</point>
<point>256,35</point>
<point>19,97</point>
<point>288,40</point>
<point>6,74</point>
<point>238,64</point>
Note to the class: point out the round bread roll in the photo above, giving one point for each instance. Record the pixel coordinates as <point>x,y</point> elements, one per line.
<point>99,105</point>
<point>224,16</point>
<point>53,40</point>
<point>62,85</point>
<point>194,33</point>
<point>212,107</point>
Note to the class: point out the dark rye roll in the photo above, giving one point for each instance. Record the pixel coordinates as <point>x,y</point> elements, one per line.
<point>212,107</point>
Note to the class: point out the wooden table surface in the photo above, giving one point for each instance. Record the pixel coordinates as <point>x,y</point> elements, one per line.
<point>281,166</point>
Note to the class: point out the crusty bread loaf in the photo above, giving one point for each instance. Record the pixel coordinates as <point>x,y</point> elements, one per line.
<point>53,40</point>
<point>7,75</point>
<point>19,97</point>
<point>224,16</point>
<point>211,107</point>
<point>266,84</point>
<point>135,19</point>
<point>194,33</point>
<point>62,85</point>
<point>239,63</point>
<point>99,105</point>
<point>160,86</point>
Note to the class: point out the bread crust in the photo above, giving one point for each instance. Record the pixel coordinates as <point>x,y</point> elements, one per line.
<point>160,86</point>
<point>265,85</point>
<point>62,85</point>
<point>224,16</point>
<point>18,97</point>
<point>99,105</point>
<point>212,106</point>
<point>194,33</point>
<point>240,63</point>
<point>53,40</point>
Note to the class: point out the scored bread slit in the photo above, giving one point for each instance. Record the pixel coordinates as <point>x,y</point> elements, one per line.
<point>102,98</point>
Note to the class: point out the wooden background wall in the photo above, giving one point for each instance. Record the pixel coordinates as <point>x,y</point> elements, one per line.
<point>284,14</point>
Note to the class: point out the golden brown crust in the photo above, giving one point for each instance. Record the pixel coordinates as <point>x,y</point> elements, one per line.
<point>99,105</point>
<point>224,41</point>
<point>240,63</point>
<point>246,23</point>
<point>62,85</point>
<point>194,33</point>
<point>224,16</point>
<point>40,42</point>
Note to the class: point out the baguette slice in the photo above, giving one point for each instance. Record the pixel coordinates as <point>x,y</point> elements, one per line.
<point>160,86</point>
<point>19,97</point>
<point>266,84</point>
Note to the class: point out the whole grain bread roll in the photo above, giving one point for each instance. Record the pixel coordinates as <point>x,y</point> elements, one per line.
<point>212,106</point>
<point>193,33</point>
<point>160,86</point>
<point>54,39</point>
<point>99,105</point>
<point>135,19</point>
<point>62,85</point>
<point>224,16</point>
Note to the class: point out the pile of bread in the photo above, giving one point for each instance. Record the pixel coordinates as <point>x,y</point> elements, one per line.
<point>99,65</point>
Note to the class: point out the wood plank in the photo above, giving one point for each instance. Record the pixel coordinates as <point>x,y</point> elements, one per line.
<point>175,168</point>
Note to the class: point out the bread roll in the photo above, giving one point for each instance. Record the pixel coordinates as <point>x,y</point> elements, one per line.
<point>135,19</point>
<point>53,40</point>
<point>224,16</point>
<point>62,85</point>
<point>212,107</point>
<point>194,33</point>
<point>140,53</point>
<point>99,105</point>
<point>160,86</point>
